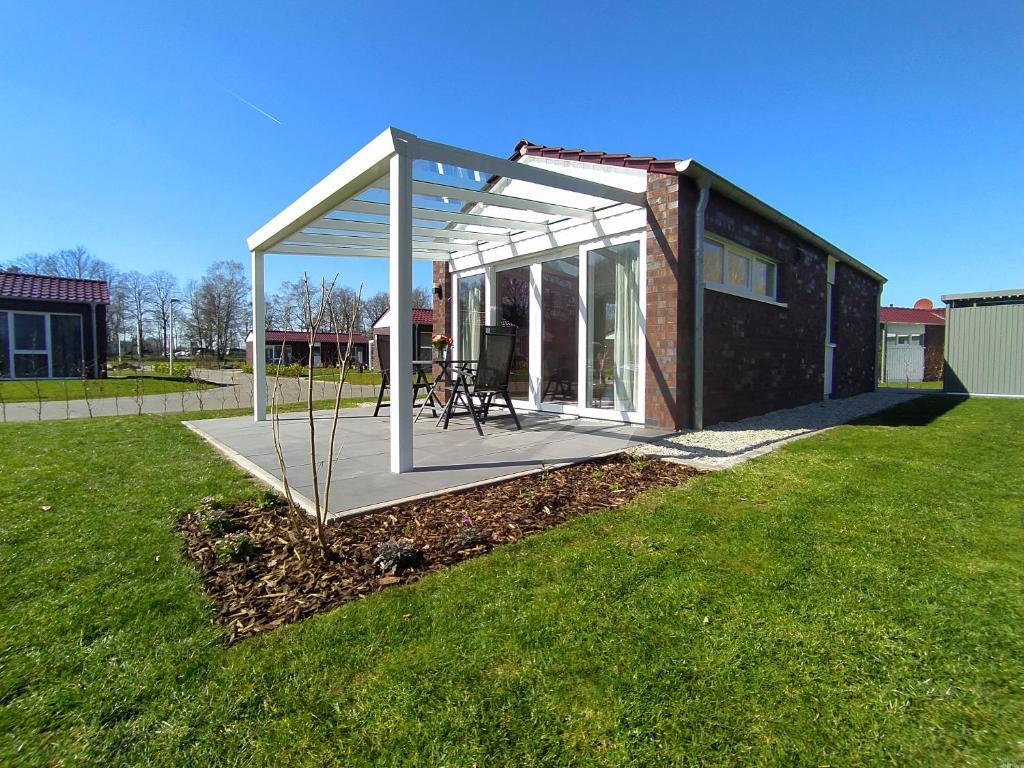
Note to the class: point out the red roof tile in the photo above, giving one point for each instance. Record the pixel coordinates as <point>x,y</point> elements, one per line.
<point>644,163</point>
<point>423,316</point>
<point>330,338</point>
<point>21,285</point>
<point>909,315</point>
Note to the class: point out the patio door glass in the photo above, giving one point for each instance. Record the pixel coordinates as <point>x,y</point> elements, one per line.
<point>66,345</point>
<point>31,356</point>
<point>471,316</point>
<point>512,301</point>
<point>5,348</point>
<point>613,323</point>
<point>560,313</point>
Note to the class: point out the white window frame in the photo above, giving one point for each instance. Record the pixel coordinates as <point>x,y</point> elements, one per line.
<point>534,262</point>
<point>747,291</point>
<point>14,350</point>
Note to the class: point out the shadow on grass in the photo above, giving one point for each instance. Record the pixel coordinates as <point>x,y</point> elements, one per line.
<point>919,412</point>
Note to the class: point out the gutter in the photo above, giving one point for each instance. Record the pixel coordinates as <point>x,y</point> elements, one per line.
<point>696,171</point>
<point>704,184</point>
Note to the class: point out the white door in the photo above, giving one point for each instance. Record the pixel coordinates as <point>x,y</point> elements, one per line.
<point>904,362</point>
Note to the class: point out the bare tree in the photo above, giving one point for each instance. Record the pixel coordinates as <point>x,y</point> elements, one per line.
<point>218,307</point>
<point>163,287</point>
<point>374,307</point>
<point>137,293</point>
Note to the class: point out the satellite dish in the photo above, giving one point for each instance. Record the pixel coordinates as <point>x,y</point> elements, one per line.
<point>924,304</point>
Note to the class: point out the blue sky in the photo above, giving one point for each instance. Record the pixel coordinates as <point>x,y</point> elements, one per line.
<point>892,129</point>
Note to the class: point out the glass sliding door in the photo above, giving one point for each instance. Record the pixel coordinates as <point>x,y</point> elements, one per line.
<point>613,326</point>
<point>471,314</point>
<point>5,347</point>
<point>512,301</point>
<point>66,352</point>
<point>560,320</point>
<point>31,356</point>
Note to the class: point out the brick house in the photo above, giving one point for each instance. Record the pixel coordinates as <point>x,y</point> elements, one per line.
<point>52,327</point>
<point>423,329</point>
<point>913,342</point>
<point>642,290</point>
<point>292,348</point>
<point>784,317</point>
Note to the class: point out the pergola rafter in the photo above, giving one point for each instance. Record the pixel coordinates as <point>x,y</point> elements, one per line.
<point>511,200</point>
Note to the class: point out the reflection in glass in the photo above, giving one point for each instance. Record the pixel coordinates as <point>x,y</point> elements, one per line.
<point>613,323</point>
<point>560,312</point>
<point>512,287</point>
<point>30,332</point>
<point>5,347</point>
<point>66,345</point>
<point>471,316</point>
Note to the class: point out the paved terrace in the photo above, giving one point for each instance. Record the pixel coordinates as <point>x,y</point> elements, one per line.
<point>444,460</point>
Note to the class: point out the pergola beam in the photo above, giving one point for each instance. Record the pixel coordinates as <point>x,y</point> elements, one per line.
<point>355,174</point>
<point>433,214</point>
<point>341,250</point>
<point>317,238</point>
<point>357,225</point>
<point>435,189</point>
<point>496,166</point>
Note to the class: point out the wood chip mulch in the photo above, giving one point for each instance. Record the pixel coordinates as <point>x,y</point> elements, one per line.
<point>285,578</point>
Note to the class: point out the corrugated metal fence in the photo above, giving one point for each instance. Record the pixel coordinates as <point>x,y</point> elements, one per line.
<point>985,349</point>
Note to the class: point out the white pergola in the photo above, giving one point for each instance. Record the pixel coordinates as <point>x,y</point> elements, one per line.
<point>378,204</point>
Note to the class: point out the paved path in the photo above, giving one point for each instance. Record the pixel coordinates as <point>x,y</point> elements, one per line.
<point>234,391</point>
<point>725,445</point>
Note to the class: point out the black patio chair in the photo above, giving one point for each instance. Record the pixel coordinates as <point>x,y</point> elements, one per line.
<point>420,383</point>
<point>478,389</point>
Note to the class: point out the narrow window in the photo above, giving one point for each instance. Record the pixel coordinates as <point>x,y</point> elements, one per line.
<point>713,256</point>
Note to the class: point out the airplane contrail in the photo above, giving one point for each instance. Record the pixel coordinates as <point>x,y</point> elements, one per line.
<point>253,106</point>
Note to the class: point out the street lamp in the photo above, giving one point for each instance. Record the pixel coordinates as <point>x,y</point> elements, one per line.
<point>170,336</point>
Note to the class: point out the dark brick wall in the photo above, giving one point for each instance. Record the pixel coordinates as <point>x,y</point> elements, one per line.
<point>670,206</point>
<point>760,357</point>
<point>72,309</point>
<point>854,325</point>
<point>934,351</point>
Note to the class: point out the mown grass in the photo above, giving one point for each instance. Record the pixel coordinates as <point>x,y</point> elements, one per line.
<point>46,390</point>
<point>936,385</point>
<point>853,599</point>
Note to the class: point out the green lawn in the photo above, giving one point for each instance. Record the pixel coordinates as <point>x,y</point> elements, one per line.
<point>856,598</point>
<point>21,391</point>
<point>936,385</point>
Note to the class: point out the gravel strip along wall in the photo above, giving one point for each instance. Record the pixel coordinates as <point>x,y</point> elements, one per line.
<point>730,443</point>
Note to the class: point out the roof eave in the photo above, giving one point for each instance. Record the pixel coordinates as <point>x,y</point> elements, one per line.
<point>695,170</point>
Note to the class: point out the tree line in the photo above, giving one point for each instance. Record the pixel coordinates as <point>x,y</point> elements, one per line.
<point>211,315</point>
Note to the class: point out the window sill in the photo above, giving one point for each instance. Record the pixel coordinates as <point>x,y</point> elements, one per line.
<point>722,288</point>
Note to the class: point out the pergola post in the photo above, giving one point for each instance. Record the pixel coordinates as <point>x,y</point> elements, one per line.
<point>400,290</point>
<point>259,340</point>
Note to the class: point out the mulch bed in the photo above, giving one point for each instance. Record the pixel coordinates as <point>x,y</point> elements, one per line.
<point>284,578</point>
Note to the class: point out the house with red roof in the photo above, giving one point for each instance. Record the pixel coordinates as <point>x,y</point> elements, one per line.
<point>703,305</point>
<point>913,342</point>
<point>422,331</point>
<point>52,327</point>
<point>292,348</point>
<point>639,289</point>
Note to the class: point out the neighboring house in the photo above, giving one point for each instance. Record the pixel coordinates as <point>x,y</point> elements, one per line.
<point>422,331</point>
<point>985,343</point>
<point>292,347</point>
<point>913,342</point>
<point>708,306</point>
<point>52,327</point>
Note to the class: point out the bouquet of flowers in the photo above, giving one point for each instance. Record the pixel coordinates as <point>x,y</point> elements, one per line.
<point>440,342</point>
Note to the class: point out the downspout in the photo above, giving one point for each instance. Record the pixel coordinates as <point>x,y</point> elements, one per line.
<point>704,185</point>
